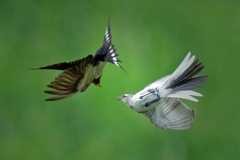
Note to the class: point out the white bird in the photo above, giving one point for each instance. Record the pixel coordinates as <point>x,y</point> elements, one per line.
<point>159,101</point>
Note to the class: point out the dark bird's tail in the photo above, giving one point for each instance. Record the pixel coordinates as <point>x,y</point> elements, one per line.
<point>107,52</point>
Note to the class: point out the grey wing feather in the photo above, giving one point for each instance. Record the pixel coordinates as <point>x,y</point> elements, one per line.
<point>171,114</point>
<point>159,81</point>
<point>185,75</point>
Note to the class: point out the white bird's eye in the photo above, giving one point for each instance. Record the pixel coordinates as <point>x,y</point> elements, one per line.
<point>124,95</point>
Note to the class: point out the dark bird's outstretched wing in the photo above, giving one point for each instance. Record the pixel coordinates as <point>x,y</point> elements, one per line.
<point>74,78</point>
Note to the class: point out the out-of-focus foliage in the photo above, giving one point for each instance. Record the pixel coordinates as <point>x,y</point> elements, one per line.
<point>152,38</point>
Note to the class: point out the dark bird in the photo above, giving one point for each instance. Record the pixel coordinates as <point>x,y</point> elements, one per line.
<point>79,74</point>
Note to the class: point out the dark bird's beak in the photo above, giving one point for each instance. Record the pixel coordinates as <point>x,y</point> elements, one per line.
<point>119,98</point>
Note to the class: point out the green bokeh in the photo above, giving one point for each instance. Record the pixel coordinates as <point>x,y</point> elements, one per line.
<point>152,38</point>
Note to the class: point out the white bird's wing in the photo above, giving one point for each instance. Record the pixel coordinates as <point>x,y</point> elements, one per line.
<point>171,114</point>
<point>158,82</point>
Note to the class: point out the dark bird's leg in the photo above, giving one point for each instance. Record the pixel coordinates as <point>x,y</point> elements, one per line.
<point>97,81</point>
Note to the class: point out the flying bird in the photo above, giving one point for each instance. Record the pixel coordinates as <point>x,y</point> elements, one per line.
<point>159,101</point>
<point>79,74</point>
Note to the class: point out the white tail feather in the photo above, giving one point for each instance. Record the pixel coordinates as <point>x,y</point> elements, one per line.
<point>190,92</point>
<point>182,67</point>
<point>184,96</point>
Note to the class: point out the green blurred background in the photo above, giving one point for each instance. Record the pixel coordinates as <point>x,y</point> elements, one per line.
<point>152,38</point>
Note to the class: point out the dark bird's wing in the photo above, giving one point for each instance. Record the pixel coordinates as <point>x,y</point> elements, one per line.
<point>59,66</point>
<point>171,114</point>
<point>107,52</point>
<point>75,78</point>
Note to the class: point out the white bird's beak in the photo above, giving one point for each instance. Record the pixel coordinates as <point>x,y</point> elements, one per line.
<point>119,98</point>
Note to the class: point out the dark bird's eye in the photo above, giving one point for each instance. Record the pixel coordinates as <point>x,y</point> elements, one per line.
<point>124,95</point>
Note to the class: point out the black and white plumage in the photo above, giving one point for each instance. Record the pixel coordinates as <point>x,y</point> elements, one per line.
<point>79,74</point>
<point>159,101</point>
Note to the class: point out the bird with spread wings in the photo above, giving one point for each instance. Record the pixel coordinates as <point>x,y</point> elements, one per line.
<point>159,101</point>
<point>79,74</point>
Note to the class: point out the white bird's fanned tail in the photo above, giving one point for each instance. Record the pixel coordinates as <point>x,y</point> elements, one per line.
<point>171,114</point>
<point>183,79</point>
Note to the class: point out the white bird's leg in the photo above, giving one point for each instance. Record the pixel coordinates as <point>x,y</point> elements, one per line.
<point>151,102</point>
<point>149,92</point>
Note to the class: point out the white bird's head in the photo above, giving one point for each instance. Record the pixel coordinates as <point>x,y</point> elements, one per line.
<point>125,98</point>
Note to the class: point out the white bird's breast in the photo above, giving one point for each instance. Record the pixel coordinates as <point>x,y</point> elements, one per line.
<point>139,104</point>
<point>151,94</point>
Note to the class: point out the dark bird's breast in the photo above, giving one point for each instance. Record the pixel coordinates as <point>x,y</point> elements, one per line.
<point>92,75</point>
